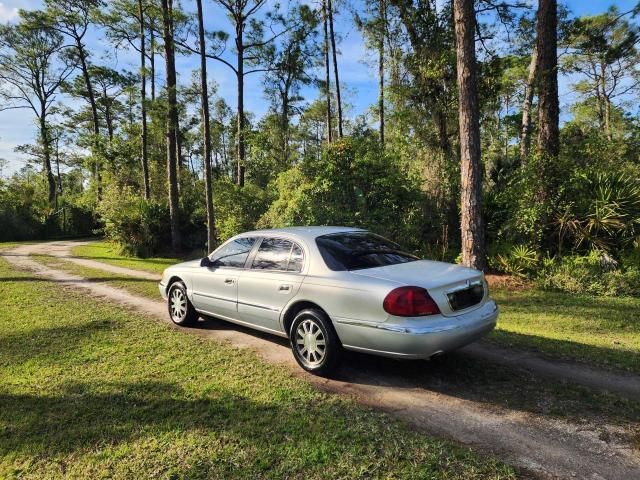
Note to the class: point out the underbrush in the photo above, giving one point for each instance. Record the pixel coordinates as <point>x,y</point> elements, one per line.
<point>596,273</point>
<point>593,274</point>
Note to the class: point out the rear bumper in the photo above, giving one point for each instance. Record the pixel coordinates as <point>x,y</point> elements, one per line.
<point>163,290</point>
<point>418,338</point>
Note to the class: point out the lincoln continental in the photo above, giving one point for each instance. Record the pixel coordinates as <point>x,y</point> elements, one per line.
<point>328,289</point>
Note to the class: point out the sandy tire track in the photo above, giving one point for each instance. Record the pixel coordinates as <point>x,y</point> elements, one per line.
<point>540,446</point>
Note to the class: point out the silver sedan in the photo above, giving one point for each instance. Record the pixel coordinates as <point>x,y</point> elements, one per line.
<point>333,288</point>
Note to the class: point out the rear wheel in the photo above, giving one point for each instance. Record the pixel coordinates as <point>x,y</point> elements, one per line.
<point>314,342</point>
<point>180,309</point>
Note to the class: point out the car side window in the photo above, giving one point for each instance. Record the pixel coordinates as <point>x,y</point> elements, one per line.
<point>234,254</point>
<point>296,259</point>
<point>273,254</point>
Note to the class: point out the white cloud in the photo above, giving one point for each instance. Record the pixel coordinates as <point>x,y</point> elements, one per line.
<point>7,13</point>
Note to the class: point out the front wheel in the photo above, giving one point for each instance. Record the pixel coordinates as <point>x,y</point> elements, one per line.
<point>180,309</point>
<point>314,342</point>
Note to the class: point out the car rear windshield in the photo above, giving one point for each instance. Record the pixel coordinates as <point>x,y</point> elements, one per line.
<point>359,250</point>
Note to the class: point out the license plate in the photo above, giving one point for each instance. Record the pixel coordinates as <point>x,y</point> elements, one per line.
<point>466,298</point>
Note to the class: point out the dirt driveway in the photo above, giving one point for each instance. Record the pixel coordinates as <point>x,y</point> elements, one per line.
<point>492,399</point>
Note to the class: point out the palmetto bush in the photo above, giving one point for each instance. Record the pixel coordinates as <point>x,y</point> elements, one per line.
<point>602,213</point>
<point>520,261</point>
<point>589,274</point>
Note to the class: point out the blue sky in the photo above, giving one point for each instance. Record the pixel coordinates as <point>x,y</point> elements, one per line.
<point>358,78</point>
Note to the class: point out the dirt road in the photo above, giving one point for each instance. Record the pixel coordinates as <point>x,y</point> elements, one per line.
<point>468,398</point>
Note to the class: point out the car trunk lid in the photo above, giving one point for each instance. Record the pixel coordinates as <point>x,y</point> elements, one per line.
<point>456,289</point>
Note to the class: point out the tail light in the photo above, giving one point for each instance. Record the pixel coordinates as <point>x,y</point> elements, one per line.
<point>410,302</point>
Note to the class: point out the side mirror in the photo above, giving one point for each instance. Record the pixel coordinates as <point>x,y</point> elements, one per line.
<point>206,262</point>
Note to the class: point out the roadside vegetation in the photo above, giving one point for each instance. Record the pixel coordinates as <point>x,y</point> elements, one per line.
<point>90,390</point>
<point>6,245</point>
<point>107,252</point>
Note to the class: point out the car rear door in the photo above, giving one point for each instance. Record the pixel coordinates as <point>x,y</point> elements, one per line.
<point>271,281</point>
<point>215,288</point>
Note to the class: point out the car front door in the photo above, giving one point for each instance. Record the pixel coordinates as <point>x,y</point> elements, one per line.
<point>273,278</point>
<point>215,287</point>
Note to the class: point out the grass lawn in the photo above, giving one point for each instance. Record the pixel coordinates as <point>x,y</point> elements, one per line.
<point>89,390</point>
<point>490,383</point>
<point>138,286</point>
<point>599,330</point>
<point>103,251</point>
<point>5,245</point>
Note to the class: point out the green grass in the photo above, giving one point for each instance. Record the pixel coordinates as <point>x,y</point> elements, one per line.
<point>598,330</point>
<point>5,245</point>
<point>479,381</point>
<point>104,251</point>
<point>89,390</point>
<point>138,286</point>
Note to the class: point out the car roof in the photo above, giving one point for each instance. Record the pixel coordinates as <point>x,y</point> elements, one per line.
<point>306,233</point>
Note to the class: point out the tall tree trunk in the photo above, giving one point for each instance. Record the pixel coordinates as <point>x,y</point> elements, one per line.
<point>143,104</point>
<point>383,28</point>
<point>58,177</point>
<point>599,102</point>
<point>525,131</point>
<point>108,117</point>
<point>171,128</point>
<point>82,56</point>
<point>547,66</point>
<point>206,134</point>
<point>284,126</point>
<point>240,153</point>
<point>606,100</point>
<point>180,163</point>
<point>327,69</point>
<point>46,150</point>
<point>152,59</point>
<point>473,249</point>
<point>335,67</point>
<point>548,104</point>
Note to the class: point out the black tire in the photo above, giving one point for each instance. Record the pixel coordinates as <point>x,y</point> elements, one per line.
<point>176,297</point>
<point>310,327</point>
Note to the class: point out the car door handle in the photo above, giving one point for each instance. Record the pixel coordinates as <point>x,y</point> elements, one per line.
<point>284,288</point>
<point>229,281</point>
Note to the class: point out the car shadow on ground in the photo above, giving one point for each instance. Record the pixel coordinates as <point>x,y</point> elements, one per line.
<point>466,377</point>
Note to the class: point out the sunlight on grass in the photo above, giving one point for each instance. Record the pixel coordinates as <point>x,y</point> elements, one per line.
<point>6,245</point>
<point>138,286</point>
<point>90,390</point>
<point>103,251</point>
<point>600,330</point>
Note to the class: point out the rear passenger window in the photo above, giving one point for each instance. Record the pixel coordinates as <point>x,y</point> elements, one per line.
<point>278,254</point>
<point>296,259</point>
<point>273,254</point>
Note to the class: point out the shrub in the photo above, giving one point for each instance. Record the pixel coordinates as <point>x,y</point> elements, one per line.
<point>350,185</point>
<point>602,212</point>
<point>593,274</point>
<point>521,261</point>
<point>139,227</point>
<point>237,209</point>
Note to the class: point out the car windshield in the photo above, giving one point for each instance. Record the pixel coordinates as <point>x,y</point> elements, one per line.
<point>359,250</point>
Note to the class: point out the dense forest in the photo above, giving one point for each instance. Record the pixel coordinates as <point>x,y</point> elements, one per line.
<point>464,154</point>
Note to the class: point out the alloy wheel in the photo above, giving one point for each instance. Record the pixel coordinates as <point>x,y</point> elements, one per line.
<point>310,342</point>
<point>178,305</point>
